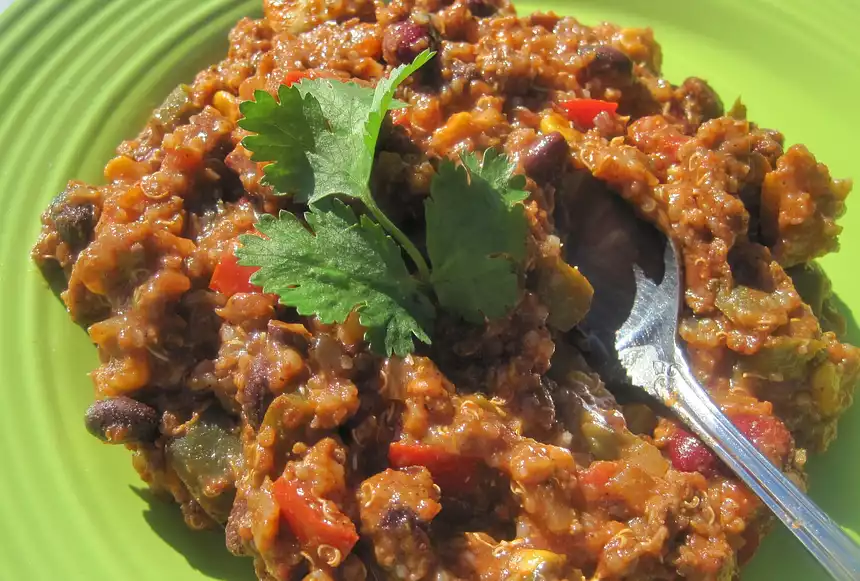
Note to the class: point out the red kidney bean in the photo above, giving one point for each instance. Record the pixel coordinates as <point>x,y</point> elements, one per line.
<point>767,433</point>
<point>689,454</point>
<point>402,42</point>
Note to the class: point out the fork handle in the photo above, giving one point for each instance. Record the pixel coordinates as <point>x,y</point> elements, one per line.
<point>828,543</point>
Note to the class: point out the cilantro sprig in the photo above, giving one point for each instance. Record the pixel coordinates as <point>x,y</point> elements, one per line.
<point>320,139</point>
<point>476,236</point>
<point>338,261</point>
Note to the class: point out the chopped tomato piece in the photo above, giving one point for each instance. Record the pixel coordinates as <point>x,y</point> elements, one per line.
<point>670,145</point>
<point>598,474</point>
<point>312,522</point>
<point>230,277</point>
<point>583,111</point>
<point>452,472</point>
<point>595,480</point>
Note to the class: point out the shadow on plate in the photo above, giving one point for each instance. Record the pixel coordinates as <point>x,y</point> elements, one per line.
<point>204,550</point>
<point>834,476</point>
<point>833,482</point>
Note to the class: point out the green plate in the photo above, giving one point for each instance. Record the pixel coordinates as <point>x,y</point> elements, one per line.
<point>78,76</point>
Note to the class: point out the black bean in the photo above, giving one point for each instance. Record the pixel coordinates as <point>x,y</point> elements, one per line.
<point>701,102</point>
<point>404,536</point>
<point>256,396</point>
<point>75,224</point>
<point>405,524</point>
<point>481,8</point>
<point>403,42</point>
<point>546,156</point>
<point>121,420</point>
<point>233,537</point>
<point>536,405</point>
<point>293,334</point>
<point>604,61</point>
<point>750,195</point>
<point>400,518</point>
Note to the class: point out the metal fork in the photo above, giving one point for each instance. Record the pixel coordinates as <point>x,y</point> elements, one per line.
<point>633,327</point>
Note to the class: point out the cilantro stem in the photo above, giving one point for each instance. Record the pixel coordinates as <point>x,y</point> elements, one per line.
<point>399,236</point>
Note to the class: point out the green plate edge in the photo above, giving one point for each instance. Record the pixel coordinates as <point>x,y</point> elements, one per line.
<point>80,76</point>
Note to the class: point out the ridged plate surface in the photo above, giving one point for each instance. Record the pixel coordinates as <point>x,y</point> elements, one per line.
<point>78,76</point>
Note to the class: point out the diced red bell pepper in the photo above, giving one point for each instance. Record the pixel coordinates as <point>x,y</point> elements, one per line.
<point>451,472</point>
<point>309,520</point>
<point>230,277</point>
<point>293,77</point>
<point>400,117</point>
<point>583,111</point>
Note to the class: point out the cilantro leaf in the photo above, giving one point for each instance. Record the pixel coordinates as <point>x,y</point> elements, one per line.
<point>343,157</point>
<point>321,137</point>
<point>336,264</point>
<point>340,162</point>
<point>283,133</point>
<point>499,173</point>
<point>476,237</point>
<point>383,98</point>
